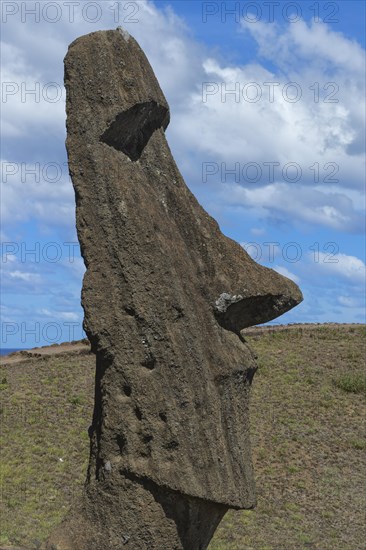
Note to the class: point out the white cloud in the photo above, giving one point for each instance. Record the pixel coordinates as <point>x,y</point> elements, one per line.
<point>177,61</point>
<point>233,129</point>
<point>305,132</point>
<point>297,202</point>
<point>25,196</point>
<point>25,276</point>
<point>304,41</point>
<point>347,301</point>
<point>27,64</point>
<point>286,273</point>
<point>325,139</point>
<point>18,277</point>
<point>258,231</point>
<point>64,315</point>
<point>30,102</point>
<point>8,257</point>
<point>350,268</point>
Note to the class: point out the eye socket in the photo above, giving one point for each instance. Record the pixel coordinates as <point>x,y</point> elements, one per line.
<point>131,130</point>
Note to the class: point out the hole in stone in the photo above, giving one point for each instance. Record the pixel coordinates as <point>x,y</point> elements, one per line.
<point>138,413</point>
<point>130,311</point>
<point>163,416</point>
<point>178,311</point>
<point>149,362</point>
<point>131,130</point>
<point>121,442</point>
<point>171,445</point>
<point>127,390</point>
<point>147,438</point>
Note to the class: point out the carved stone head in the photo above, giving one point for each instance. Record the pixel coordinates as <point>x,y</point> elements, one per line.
<point>165,293</point>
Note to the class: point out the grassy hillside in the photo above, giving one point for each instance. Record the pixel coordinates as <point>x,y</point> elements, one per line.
<point>308,435</point>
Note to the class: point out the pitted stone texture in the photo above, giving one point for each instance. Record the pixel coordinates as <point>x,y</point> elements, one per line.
<point>165,296</point>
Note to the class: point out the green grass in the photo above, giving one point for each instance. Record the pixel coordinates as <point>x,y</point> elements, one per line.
<point>46,411</point>
<point>308,439</point>
<point>352,382</point>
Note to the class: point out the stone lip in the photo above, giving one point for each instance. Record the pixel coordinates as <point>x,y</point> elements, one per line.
<point>165,293</point>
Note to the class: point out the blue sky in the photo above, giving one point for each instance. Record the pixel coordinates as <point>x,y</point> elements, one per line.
<point>267,127</point>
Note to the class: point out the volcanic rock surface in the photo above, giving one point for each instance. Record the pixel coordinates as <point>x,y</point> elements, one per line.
<point>165,297</point>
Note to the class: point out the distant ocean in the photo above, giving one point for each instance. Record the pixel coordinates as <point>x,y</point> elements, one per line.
<point>6,351</point>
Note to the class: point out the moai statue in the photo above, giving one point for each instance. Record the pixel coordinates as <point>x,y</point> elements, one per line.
<point>165,296</point>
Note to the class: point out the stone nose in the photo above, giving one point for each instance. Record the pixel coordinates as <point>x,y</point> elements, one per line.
<point>236,312</point>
